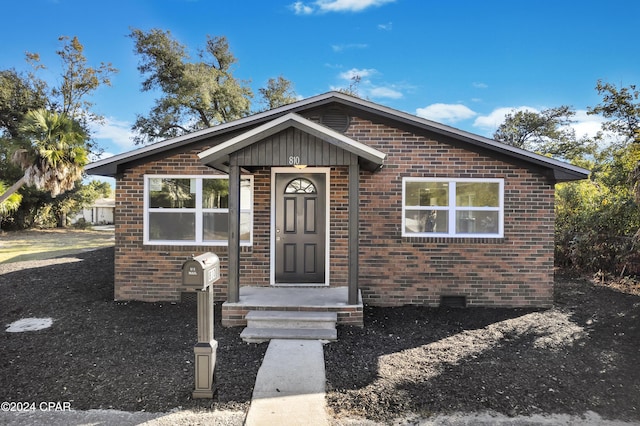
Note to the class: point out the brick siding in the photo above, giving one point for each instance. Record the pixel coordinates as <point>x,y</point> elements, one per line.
<point>516,270</point>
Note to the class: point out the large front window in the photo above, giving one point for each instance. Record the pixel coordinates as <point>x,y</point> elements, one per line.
<point>186,210</point>
<point>452,207</point>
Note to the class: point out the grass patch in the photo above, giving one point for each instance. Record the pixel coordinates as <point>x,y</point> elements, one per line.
<point>46,244</point>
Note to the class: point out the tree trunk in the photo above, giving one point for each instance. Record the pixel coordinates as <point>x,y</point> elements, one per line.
<point>62,220</point>
<point>12,189</point>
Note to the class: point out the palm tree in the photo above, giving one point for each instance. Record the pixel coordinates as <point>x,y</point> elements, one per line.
<point>9,205</point>
<point>56,155</point>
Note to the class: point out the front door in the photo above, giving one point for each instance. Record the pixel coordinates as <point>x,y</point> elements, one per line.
<point>300,226</point>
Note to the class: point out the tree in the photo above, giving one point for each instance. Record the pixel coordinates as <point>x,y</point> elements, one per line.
<point>622,106</point>
<point>73,202</point>
<point>11,204</point>
<point>547,132</point>
<point>597,220</point>
<point>78,82</point>
<point>18,95</point>
<point>64,108</point>
<point>195,95</point>
<point>57,153</point>
<point>278,92</point>
<point>352,89</point>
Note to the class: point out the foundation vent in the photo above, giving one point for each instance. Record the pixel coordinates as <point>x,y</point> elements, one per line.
<point>188,297</point>
<point>453,301</point>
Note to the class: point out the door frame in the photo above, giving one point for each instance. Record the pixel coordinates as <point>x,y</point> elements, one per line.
<point>272,227</point>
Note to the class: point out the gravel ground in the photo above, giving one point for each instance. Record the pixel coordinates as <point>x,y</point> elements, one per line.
<point>578,359</point>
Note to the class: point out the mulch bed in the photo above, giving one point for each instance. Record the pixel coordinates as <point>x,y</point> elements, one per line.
<point>581,355</point>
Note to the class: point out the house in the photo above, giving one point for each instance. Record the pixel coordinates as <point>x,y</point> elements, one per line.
<point>101,212</point>
<point>343,200</point>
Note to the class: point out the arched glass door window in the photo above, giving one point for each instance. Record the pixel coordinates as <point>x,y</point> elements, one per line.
<point>300,186</point>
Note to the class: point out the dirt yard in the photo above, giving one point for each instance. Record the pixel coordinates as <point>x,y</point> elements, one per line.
<point>580,356</point>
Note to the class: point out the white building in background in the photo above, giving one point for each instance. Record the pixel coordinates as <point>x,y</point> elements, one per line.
<point>101,212</point>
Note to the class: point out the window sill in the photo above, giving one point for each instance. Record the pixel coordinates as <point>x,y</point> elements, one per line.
<point>454,240</point>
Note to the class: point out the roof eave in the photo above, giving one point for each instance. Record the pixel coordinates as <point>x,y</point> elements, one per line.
<point>563,171</point>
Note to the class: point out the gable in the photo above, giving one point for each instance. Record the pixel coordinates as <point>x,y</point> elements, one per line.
<point>291,140</point>
<point>278,150</point>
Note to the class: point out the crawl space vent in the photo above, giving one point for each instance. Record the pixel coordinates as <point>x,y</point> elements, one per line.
<point>336,120</point>
<point>453,301</point>
<point>188,297</point>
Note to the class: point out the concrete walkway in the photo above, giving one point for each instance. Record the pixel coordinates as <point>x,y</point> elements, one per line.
<point>290,385</point>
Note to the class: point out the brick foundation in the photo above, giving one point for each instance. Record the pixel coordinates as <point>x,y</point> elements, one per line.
<point>234,316</point>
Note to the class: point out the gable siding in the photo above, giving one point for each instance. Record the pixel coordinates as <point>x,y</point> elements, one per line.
<point>278,149</point>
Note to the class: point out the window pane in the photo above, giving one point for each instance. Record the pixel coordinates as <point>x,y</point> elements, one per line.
<point>245,226</point>
<point>245,194</point>
<point>476,222</point>
<point>478,194</point>
<point>172,226</point>
<point>172,193</point>
<point>300,186</point>
<point>435,221</point>
<point>215,226</point>
<point>427,194</point>
<point>215,193</point>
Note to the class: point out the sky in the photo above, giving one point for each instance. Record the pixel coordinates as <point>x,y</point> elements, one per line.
<point>464,63</point>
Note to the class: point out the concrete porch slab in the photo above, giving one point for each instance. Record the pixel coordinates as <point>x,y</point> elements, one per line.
<point>295,296</point>
<point>314,299</point>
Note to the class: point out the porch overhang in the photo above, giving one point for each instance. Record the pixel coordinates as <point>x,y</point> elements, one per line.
<point>218,157</point>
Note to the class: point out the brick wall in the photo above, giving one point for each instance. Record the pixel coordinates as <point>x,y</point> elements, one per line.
<point>153,272</point>
<point>516,270</point>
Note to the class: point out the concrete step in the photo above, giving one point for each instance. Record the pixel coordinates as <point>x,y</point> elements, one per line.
<point>259,335</point>
<point>292,319</point>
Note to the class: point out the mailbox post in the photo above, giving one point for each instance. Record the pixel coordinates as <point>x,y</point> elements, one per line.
<point>199,273</point>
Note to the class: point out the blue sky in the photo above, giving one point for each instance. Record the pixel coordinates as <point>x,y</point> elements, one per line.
<point>464,63</point>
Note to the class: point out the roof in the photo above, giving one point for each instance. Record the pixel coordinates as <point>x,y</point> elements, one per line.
<point>562,171</point>
<point>104,202</point>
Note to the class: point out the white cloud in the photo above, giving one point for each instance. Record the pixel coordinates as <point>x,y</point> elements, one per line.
<point>343,47</point>
<point>383,92</point>
<point>450,113</point>
<point>355,72</point>
<point>116,131</point>
<point>480,85</point>
<point>365,87</point>
<point>386,27</point>
<point>300,8</point>
<point>585,124</point>
<point>323,6</point>
<point>496,117</point>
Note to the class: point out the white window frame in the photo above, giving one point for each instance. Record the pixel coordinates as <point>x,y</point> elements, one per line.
<point>198,210</point>
<point>452,208</point>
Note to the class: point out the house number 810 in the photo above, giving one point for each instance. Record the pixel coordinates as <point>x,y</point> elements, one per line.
<point>294,160</point>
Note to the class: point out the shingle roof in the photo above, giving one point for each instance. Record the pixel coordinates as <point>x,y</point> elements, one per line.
<point>562,171</point>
